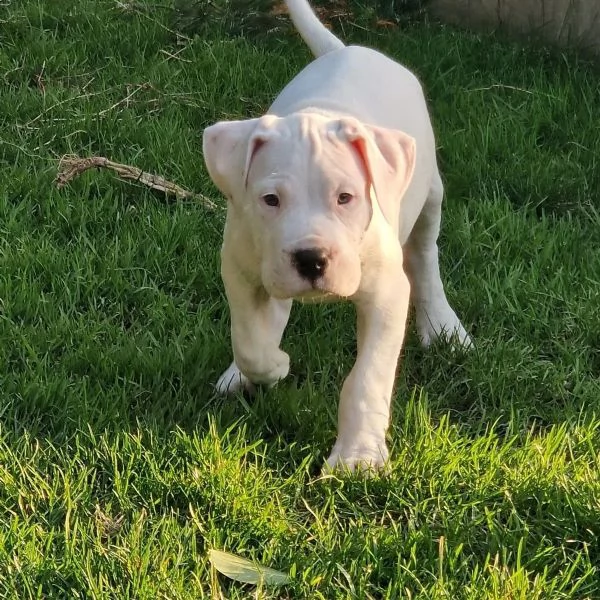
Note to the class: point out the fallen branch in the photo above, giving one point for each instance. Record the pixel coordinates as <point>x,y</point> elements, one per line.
<point>72,166</point>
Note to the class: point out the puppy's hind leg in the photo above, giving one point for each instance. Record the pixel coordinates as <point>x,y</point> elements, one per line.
<point>435,317</point>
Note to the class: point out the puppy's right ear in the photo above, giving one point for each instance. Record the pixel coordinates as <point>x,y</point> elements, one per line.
<point>230,146</point>
<point>224,146</point>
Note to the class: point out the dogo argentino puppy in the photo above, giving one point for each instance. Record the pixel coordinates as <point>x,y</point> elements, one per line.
<point>335,193</point>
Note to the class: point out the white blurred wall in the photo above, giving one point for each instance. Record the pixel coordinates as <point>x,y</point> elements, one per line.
<point>566,22</point>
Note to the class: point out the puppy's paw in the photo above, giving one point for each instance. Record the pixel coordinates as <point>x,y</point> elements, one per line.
<point>279,369</point>
<point>233,380</point>
<point>366,457</point>
<point>442,324</point>
<point>267,370</point>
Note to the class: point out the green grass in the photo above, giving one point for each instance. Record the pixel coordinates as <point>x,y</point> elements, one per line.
<point>120,467</point>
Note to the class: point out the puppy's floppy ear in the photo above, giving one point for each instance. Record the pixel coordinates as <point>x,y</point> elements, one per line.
<point>230,146</point>
<point>224,146</point>
<point>389,159</point>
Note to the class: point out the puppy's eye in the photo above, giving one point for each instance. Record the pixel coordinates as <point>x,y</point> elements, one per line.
<point>345,198</point>
<point>271,199</point>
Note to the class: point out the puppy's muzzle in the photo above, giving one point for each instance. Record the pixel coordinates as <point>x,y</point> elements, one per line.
<point>311,263</point>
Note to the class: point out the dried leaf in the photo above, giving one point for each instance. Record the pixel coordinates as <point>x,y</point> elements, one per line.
<point>386,23</point>
<point>245,571</point>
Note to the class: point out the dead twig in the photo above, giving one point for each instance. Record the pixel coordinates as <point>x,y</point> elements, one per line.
<point>71,166</point>
<point>130,94</point>
<point>62,103</point>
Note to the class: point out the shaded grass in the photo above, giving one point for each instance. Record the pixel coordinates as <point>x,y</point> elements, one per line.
<point>119,466</point>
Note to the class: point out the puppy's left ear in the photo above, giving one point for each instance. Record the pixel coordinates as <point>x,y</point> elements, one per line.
<point>389,157</point>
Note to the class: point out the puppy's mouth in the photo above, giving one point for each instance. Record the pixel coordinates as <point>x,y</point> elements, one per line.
<point>326,288</point>
<point>315,295</point>
<point>305,294</point>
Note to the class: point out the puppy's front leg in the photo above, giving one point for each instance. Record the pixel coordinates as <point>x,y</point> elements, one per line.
<point>257,325</point>
<point>364,410</point>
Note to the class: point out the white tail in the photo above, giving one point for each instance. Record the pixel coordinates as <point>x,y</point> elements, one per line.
<point>317,37</point>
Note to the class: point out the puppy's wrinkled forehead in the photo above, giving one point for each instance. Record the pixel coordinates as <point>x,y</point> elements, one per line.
<point>302,143</point>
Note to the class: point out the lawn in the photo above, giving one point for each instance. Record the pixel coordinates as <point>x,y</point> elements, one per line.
<point>120,467</point>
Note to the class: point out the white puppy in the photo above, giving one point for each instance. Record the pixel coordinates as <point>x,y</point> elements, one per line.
<point>334,193</point>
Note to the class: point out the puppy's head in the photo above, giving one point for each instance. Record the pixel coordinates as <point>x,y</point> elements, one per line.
<point>308,187</point>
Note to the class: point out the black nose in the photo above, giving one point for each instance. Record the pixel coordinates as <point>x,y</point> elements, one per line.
<point>310,263</point>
